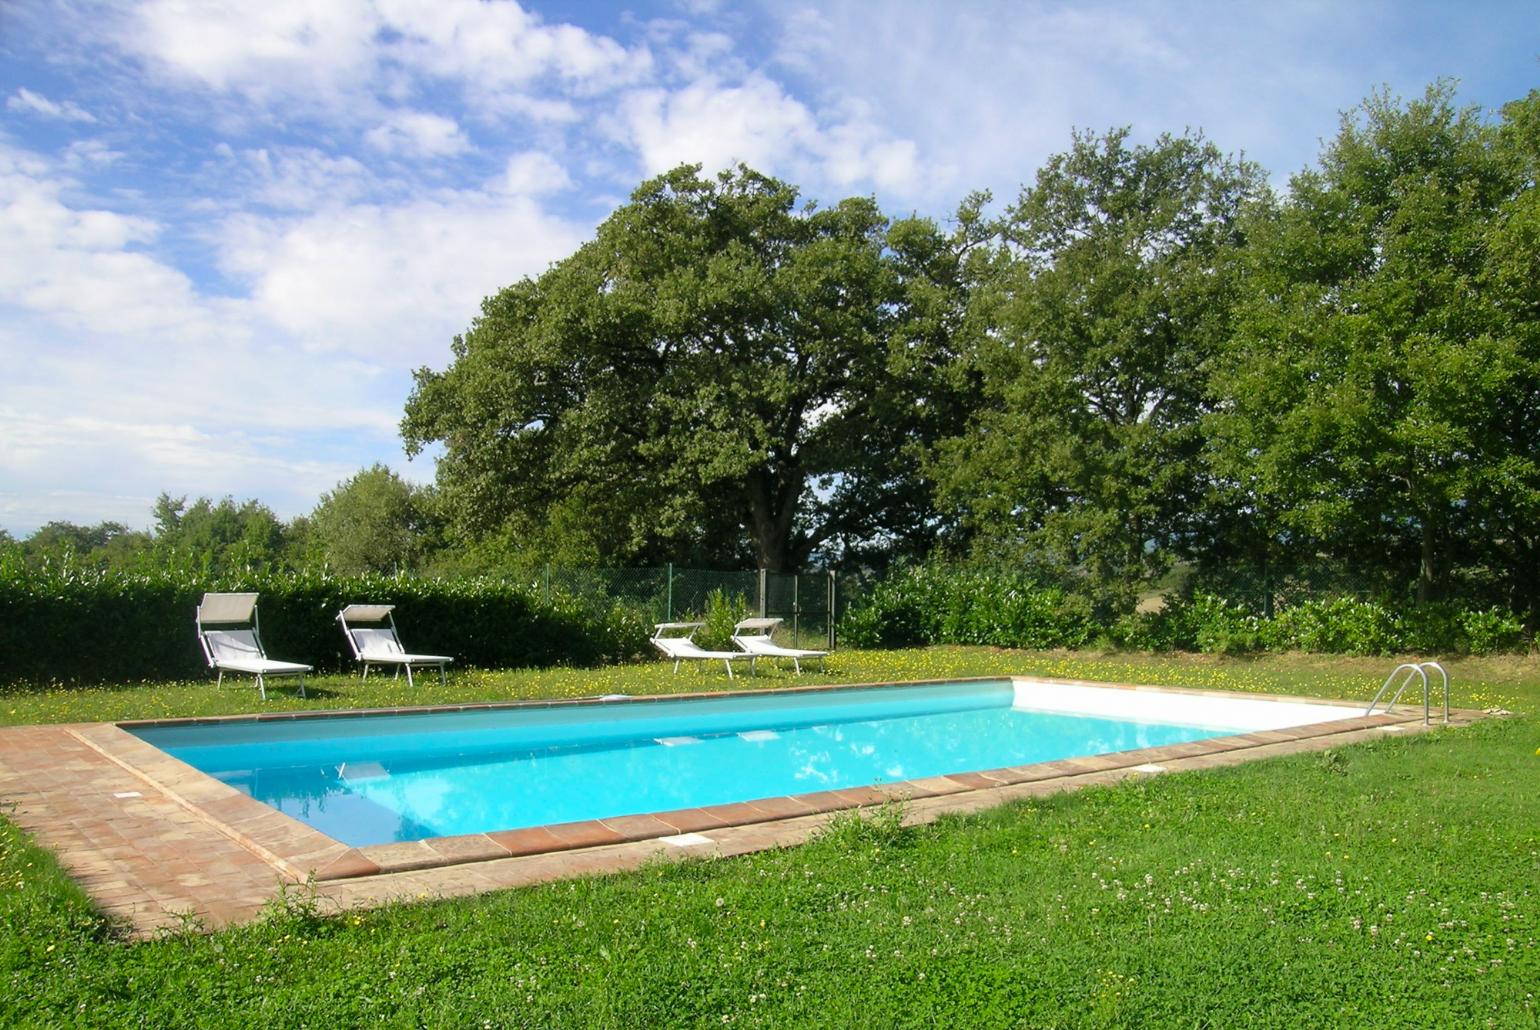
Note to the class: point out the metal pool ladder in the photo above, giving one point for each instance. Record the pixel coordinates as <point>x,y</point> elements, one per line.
<point>1409,671</point>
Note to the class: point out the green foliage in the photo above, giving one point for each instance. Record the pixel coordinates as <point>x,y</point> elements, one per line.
<point>1491,631</point>
<point>938,604</point>
<point>1327,625</point>
<point>374,522</point>
<point>1342,625</point>
<point>933,604</point>
<point>67,623</point>
<point>1110,293</point>
<point>1378,398</point>
<point>724,610</point>
<point>217,537</point>
<point>866,832</point>
<point>676,388</point>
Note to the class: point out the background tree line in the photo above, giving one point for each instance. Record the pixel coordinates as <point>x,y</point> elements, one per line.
<point>1148,361</point>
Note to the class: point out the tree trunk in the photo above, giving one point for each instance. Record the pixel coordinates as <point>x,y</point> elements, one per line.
<point>772,509</point>
<point>1425,569</point>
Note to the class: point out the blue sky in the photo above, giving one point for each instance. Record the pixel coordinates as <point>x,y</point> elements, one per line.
<point>228,231</point>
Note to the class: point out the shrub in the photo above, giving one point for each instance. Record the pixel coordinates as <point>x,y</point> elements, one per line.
<point>61,623</point>
<point>1338,625</point>
<point>1224,627</point>
<point>930,604</point>
<point>933,604</point>
<point>724,611</point>
<point>1491,630</point>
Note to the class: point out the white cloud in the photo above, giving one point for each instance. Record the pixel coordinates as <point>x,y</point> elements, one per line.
<point>855,150</point>
<point>533,173</point>
<point>35,103</point>
<point>277,47</point>
<point>417,134</point>
<point>74,264</point>
<point>761,125</point>
<point>992,93</point>
<point>167,387</point>
<point>300,178</point>
<point>715,125</point>
<point>113,455</point>
<point>89,154</point>
<point>346,55</point>
<point>498,45</point>
<point>398,280</point>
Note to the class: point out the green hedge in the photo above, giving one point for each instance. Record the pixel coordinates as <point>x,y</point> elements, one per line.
<point>67,624</point>
<point>933,604</point>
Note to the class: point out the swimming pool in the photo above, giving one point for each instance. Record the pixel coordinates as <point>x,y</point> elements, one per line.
<point>373,779</point>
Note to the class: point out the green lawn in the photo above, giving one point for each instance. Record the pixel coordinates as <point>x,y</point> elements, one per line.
<point>1387,884</point>
<point>1508,682</point>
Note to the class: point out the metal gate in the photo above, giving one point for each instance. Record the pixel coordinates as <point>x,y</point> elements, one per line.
<point>806,603</point>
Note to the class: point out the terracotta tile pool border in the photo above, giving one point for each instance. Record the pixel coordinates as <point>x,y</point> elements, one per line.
<point>294,852</point>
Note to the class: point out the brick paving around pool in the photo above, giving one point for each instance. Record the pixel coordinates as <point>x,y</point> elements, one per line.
<point>156,843</point>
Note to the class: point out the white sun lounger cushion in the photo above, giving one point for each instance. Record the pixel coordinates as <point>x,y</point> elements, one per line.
<point>683,647</point>
<point>237,651</point>
<point>381,645</point>
<point>768,648</point>
<point>753,635</point>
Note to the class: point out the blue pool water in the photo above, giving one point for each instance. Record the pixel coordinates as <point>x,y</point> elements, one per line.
<point>375,779</point>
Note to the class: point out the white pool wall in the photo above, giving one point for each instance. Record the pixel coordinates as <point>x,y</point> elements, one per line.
<point>1242,714</point>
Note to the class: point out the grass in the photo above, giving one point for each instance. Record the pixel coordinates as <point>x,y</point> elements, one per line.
<point>1511,682</point>
<point>1388,884</point>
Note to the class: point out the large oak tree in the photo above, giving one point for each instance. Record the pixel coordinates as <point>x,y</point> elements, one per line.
<point>721,375</point>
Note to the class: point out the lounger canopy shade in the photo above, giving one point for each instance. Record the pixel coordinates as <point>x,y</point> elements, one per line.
<point>225,609</point>
<point>231,637</point>
<point>375,644</point>
<point>753,636</point>
<point>367,612</point>
<point>674,640</point>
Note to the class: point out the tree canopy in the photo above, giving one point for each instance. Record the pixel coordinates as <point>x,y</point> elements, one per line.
<point>1108,295</point>
<point>1378,401</point>
<point>720,374</point>
<point>374,521</point>
<point>218,535</point>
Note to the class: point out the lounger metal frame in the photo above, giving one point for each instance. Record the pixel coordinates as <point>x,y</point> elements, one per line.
<point>401,658</point>
<point>226,611</point>
<point>680,648</point>
<point>753,637</point>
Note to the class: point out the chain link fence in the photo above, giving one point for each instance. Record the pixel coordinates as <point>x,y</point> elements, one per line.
<point>808,603</point>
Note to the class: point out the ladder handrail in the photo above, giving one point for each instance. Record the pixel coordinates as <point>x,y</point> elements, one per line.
<point>1417,670</point>
<point>1445,675</point>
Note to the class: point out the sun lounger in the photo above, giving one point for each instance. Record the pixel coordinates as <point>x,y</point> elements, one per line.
<point>232,641</point>
<point>753,637</point>
<point>371,633</point>
<point>673,639</point>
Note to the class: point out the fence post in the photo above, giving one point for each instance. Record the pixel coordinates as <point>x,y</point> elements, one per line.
<point>547,582</point>
<point>763,599</point>
<point>668,615</point>
<point>796,608</point>
<point>832,599</point>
